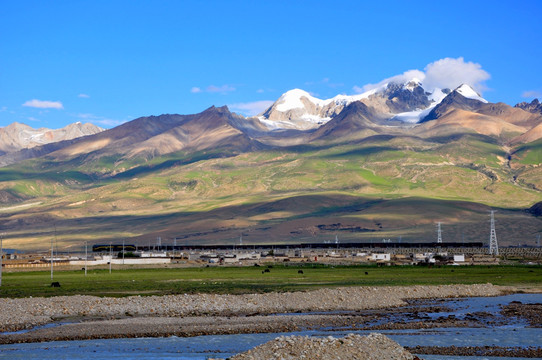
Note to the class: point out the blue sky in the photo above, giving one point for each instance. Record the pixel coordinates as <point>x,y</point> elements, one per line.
<point>107,62</point>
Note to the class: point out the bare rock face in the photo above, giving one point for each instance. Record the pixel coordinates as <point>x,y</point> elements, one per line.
<point>534,106</point>
<point>453,101</point>
<point>371,347</point>
<point>402,98</point>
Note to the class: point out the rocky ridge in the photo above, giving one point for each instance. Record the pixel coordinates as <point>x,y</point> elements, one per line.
<point>534,106</point>
<point>297,109</point>
<point>17,136</point>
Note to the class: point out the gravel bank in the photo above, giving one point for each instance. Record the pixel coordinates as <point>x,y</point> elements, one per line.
<point>370,347</point>
<point>16,314</point>
<point>174,326</point>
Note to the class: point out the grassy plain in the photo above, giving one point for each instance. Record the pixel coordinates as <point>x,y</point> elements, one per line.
<point>236,280</point>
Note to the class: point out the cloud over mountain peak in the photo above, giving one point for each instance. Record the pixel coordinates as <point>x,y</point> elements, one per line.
<point>447,73</point>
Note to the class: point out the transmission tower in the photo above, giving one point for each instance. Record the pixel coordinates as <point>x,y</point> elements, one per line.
<point>493,246</point>
<point>439,233</point>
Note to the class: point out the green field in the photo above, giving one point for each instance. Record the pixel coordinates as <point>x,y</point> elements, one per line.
<point>236,280</point>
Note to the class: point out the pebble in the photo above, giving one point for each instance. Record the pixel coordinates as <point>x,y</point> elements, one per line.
<point>16,314</point>
<point>371,347</point>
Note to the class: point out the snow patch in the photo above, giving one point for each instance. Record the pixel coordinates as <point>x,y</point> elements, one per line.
<point>413,117</point>
<point>315,119</point>
<point>292,100</point>
<point>437,96</point>
<point>468,92</point>
<point>277,125</point>
<point>412,84</point>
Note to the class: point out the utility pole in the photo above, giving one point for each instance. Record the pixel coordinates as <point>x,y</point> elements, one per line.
<point>86,257</point>
<point>493,245</point>
<point>56,241</point>
<point>1,256</point>
<point>52,249</point>
<point>110,256</point>
<point>122,252</point>
<point>439,234</point>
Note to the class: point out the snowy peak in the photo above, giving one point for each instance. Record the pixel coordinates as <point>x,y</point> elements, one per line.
<point>463,97</point>
<point>399,101</point>
<point>297,109</point>
<point>412,84</point>
<point>468,92</point>
<point>17,136</point>
<point>404,101</point>
<point>296,99</point>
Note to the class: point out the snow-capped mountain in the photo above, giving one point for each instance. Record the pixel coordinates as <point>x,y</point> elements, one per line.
<point>297,109</point>
<point>17,136</point>
<point>406,102</point>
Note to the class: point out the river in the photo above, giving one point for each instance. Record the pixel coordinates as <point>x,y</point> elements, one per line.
<point>513,333</point>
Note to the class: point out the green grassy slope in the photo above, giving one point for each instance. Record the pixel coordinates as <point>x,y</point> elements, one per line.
<point>380,187</point>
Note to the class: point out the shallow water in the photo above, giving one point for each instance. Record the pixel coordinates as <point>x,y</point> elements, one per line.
<point>515,333</point>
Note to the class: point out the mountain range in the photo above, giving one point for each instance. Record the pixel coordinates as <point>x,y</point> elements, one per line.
<point>389,162</point>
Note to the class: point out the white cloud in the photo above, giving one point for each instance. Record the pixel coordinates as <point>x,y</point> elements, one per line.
<point>444,73</point>
<point>4,108</point>
<point>450,73</point>
<point>223,89</point>
<point>100,120</point>
<point>43,104</point>
<point>31,118</point>
<point>404,77</point>
<point>359,89</point>
<point>251,108</point>
<point>220,89</point>
<point>110,123</point>
<point>532,94</point>
<point>326,82</point>
<point>260,91</point>
<point>83,96</point>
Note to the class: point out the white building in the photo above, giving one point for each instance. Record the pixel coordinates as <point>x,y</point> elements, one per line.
<point>459,259</point>
<point>381,257</point>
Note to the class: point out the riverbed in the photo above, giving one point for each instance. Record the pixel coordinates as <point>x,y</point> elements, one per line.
<point>493,329</point>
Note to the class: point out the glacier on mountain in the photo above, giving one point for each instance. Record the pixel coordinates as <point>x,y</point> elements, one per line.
<point>297,109</point>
